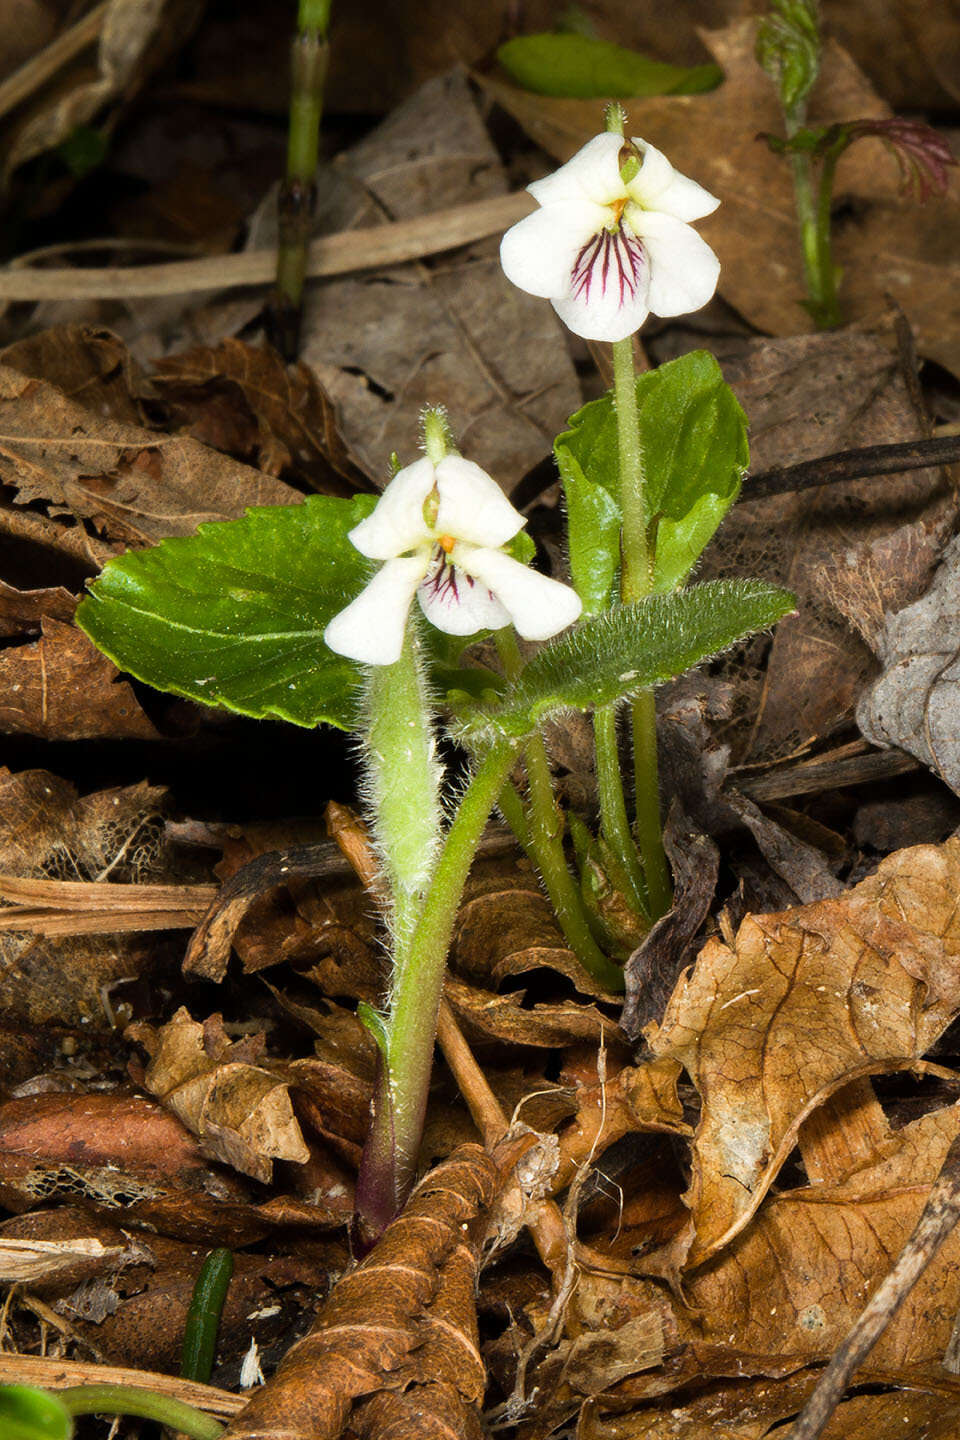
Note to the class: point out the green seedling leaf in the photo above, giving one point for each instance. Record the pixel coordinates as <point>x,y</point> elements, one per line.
<point>693,433</point>
<point>30,1414</point>
<point>234,616</point>
<point>375,1025</point>
<point>578,67</point>
<point>788,49</point>
<point>631,647</point>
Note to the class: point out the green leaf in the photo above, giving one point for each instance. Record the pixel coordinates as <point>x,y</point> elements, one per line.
<point>375,1024</point>
<point>579,67</point>
<point>693,434</point>
<point>632,647</point>
<point>30,1414</point>
<point>788,49</point>
<point>234,616</point>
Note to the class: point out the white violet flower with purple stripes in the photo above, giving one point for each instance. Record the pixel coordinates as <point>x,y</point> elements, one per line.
<point>440,529</point>
<point>611,242</point>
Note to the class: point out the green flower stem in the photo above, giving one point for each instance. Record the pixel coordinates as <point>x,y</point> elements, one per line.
<point>297,199</point>
<point>390,1154</point>
<point>613,808</point>
<point>146,1404</point>
<point>203,1317</point>
<point>540,831</point>
<point>635,583</point>
<point>403,779</point>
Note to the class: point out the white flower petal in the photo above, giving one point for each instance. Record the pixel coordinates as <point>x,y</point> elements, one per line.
<point>458,604</point>
<point>539,252</point>
<point>472,505</point>
<point>659,187</point>
<point>653,178</point>
<point>683,268</point>
<point>371,628</point>
<point>593,173</point>
<point>538,606</point>
<point>607,297</point>
<point>397,524</point>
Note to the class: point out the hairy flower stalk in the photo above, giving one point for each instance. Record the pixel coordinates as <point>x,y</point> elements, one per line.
<point>611,243</point>
<point>440,529</point>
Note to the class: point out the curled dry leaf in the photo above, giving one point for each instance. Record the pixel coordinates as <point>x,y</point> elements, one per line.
<point>861,546</point>
<point>916,701</point>
<point>239,1111</point>
<point>778,1299</point>
<point>804,1000</point>
<point>405,1316</point>
<point>294,421</point>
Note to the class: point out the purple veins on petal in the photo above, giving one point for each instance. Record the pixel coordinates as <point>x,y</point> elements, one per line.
<point>617,246</point>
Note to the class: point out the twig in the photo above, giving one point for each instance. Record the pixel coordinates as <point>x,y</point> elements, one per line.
<point>53,1374</point>
<point>940,1215</point>
<point>340,254</point>
<point>38,69</point>
<point>854,465</point>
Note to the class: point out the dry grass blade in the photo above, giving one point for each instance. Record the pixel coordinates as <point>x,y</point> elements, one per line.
<point>78,907</point>
<point>342,254</point>
<point>413,1293</point>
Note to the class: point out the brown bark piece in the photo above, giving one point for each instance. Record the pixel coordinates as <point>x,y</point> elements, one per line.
<point>364,1338</point>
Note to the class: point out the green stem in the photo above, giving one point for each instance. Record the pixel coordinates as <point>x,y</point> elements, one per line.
<point>635,583</point>
<point>540,831</point>
<point>613,809</point>
<point>813,216</point>
<point>390,1154</point>
<point>203,1317</point>
<point>146,1404</point>
<point>297,198</point>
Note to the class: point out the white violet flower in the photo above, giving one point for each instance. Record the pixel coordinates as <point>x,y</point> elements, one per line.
<point>440,529</point>
<point>611,242</point>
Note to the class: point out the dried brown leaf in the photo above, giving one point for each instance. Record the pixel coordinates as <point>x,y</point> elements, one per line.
<point>61,687</point>
<point>294,421</point>
<point>88,363</point>
<point>23,611</point>
<point>804,1000</point>
<point>48,831</point>
<point>407,1307</point>
<point>239,1111</point>
<point>133,484</point>
<point>862,546</point>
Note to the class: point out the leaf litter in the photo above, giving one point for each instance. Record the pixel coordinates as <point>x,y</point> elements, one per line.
<point>710,1207</point>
